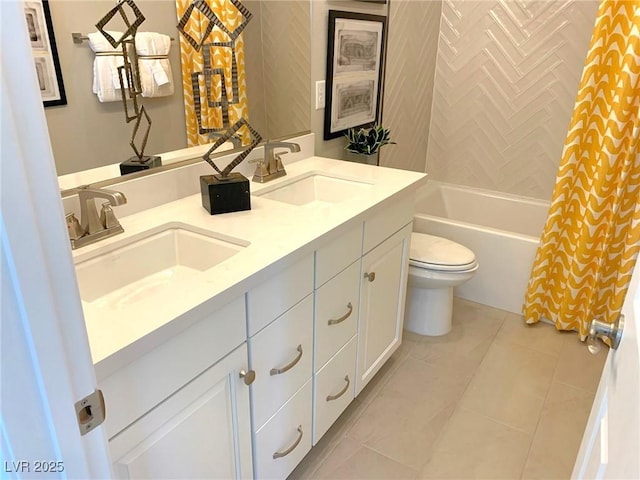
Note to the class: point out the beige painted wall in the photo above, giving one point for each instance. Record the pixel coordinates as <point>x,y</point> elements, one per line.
<point>86,133</point>
<point>506,79</point>
<point>411,62</point>
<point>320,24</point>
<point>278,79</point>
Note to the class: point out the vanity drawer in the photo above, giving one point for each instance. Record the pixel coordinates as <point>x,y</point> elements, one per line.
<point>287,436</point>
<point>271,299</point>
<point>336,255</point>
<point>287,345</point>
<point>388,221</point>
<point>334,389</point>
<point>336,313</point>
<point>137,388</point>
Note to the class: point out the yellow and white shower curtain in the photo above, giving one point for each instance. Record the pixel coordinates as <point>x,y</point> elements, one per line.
<point>591,239</point>
<point>192,61</point>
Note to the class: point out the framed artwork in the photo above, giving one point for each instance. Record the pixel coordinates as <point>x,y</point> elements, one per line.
<point>45,53</point>
<point>354,71</point>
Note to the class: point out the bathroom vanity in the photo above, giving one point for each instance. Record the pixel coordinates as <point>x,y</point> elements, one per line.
<point>234,366</point>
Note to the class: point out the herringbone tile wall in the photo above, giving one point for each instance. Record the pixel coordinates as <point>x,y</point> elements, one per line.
<point>506,78</point>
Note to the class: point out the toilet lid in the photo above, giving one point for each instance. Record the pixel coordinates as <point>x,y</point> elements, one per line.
<point>439,253</point>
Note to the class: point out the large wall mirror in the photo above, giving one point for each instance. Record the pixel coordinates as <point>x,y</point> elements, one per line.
<point>86,134</point>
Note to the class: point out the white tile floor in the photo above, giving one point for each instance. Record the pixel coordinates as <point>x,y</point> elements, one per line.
<point>493,399</point>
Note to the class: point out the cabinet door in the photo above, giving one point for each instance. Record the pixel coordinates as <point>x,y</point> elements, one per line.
<point>202,431</point>
<point>382,297</point>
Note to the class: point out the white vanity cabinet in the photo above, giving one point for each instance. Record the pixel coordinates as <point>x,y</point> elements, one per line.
<point>246,390</point>
<point>385,265</point>
<point>280,324</point>
<point>182,410</point>
<point>336,322</point>
<point>202,431</point>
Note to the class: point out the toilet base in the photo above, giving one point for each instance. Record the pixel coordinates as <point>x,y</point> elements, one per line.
<point>429,311</point>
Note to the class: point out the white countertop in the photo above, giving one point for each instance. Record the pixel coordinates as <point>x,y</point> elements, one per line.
<point>278,234</point>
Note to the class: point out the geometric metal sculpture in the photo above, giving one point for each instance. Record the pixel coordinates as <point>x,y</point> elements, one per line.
<point>216,75</point>
<point>129,77</point>
<point>214,21</point>
<point>227,136</point>
<point>132,26</point>
<point>143,115</point>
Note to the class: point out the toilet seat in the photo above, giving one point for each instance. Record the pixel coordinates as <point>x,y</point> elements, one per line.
<point>436,253</point>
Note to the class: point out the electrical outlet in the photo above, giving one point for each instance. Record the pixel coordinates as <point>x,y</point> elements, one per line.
<point>320,94</point>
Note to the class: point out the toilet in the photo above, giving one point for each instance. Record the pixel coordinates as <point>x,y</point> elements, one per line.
<point>436,265</point>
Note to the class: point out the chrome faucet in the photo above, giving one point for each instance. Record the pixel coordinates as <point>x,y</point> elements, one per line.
<point>271,166</point>
<point>93,226</point>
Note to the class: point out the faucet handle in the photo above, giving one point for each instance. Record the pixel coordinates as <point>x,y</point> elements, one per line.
<point>73,226</point>
<point>261,170</point>
<point>107,217</point>
<point>279,165</point>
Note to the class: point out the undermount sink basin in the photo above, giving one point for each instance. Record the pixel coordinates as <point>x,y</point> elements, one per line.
<point>315,189</point>
<point>152,264</point>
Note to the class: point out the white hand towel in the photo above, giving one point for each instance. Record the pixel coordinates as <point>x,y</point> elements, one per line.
<point>156,78</point>
<point>106,82</point>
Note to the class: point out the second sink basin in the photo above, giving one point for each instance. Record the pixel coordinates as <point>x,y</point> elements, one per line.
<point>315,189</point>
<point>151,265</point>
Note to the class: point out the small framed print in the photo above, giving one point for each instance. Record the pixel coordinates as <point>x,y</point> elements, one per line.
<point>354,71</point>
<point>45,53</point>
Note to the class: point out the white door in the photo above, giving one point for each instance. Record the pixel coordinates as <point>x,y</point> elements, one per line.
<point>46,364</point>
<point>611,443</point>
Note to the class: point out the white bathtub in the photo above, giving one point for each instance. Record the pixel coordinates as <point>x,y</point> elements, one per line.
<point>503,231</point>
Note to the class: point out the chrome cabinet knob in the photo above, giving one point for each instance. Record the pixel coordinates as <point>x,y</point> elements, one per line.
<point>248,376</point>
<point>599,329</point>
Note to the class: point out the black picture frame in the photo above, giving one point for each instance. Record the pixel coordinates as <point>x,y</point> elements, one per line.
<point>355,62</point>
<point>45,52</point>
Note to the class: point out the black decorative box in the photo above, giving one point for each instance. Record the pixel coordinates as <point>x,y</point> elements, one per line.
<point>135,164</point>
<point>225,194</point>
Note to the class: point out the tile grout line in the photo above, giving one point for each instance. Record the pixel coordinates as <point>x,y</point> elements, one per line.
<point>535,431</point>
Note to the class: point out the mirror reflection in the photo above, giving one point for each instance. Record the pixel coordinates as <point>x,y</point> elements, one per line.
<point>87,134</point>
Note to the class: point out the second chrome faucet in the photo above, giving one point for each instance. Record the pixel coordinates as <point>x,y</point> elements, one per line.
<point>271,166</point>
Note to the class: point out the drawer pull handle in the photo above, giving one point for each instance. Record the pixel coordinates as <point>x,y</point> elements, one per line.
<point>370,276</point>
<point>331,398</point>
<point>292,447</point>
<point>278,371</point>
<point>335,321</point>
<point>248,375</point>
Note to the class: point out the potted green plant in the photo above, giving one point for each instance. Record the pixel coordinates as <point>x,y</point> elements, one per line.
<point>365,142</point>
